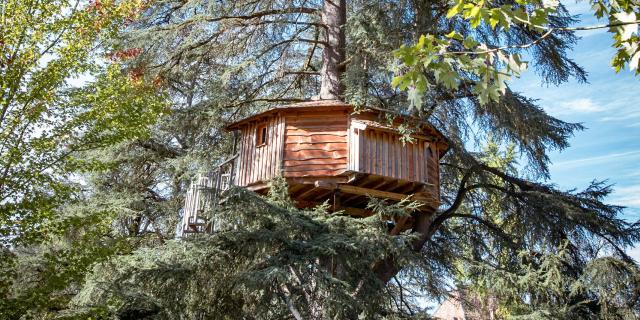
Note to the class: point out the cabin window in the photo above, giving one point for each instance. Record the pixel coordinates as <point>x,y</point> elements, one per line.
<point>261,135</point>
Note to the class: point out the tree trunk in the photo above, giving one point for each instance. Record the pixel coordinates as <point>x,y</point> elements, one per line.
<point>387,268</point>
<point>334,17</point>
<point>423,18</point>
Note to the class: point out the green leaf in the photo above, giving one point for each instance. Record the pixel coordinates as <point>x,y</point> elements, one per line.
<point>474,13</point>
<point>470,43</point>
<point>454,35</point>
<point>539,18</point>
<point>494,17</point>
<point>455,9</point>
<point>421,42</point>
<point>448,78</point>
<point>634,62</point>
<point>481,91</point>
<point>395,82</point>
<point>415,97</point>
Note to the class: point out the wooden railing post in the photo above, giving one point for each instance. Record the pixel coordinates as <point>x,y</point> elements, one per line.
<point>203,196</point>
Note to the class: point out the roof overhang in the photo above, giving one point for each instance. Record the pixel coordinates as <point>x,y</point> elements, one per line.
<point>339,105</point>
<point>324,104</point>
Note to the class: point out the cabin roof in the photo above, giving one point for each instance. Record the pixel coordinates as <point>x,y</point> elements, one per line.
<point>325,104</point>
<point>328,105</point>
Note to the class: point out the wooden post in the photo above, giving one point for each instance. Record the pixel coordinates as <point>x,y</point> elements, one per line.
<point>336,200</point>
<point>232,173</point>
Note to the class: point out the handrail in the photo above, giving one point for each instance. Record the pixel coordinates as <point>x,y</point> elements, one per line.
<point>228,160</point>
<point>206,197</point>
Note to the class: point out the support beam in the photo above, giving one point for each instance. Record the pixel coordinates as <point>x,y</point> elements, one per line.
<point>400,226</point>
<point>337,204</point>
<point>380,182</point>
<point>306,193</point>
<point>357,212</point>
<point>345,188</point>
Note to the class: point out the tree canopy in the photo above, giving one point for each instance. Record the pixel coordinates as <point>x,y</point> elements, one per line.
<point>48,122</point>
<point>503,230</point>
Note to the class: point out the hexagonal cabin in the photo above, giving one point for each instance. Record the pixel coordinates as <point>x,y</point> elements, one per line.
<point>326,151</point>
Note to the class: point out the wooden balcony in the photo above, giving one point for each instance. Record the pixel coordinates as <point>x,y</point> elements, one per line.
<point>325,151</point>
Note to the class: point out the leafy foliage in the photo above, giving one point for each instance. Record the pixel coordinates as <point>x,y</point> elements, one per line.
<point>545,252</point>
<point>268,261</point>
<point>44,122</point>
<point>58,101</point>
<point>460,58</point>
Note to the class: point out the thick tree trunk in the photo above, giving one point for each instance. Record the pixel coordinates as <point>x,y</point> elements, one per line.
<point>386,269</point>
<point>423,18</point>
<point>334,17</point>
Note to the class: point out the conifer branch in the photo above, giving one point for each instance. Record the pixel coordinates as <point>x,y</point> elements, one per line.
<point>549,31</point>
<point>255,15</point>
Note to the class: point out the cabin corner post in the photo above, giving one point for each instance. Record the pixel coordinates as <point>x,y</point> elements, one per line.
<point>282,132</point>
<point>234,165</point>
<point>356,141</point>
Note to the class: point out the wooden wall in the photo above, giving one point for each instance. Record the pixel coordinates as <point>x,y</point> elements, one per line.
<point>260,163</point>
<point>380,152</point>
<point>315,143</point>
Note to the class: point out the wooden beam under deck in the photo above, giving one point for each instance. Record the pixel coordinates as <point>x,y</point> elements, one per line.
<point>380,184</point>
<point>345,188</point>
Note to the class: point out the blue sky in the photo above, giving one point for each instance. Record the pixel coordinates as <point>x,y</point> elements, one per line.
<point>609,106</point>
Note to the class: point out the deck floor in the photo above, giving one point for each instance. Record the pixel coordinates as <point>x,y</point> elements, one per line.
<point>350,192</point>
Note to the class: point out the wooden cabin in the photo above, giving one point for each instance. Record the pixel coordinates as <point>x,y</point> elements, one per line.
<point>325,151</point>
<point>322,147</point>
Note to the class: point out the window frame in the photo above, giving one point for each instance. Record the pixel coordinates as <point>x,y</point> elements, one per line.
<point>262,135</point>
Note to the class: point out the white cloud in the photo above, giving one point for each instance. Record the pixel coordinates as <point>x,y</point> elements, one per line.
<point>634,253</point>
<point>623,115</point>
<point>627,196</point>
<point>634,125</point>
<point>591,33</point>
<point>581,105</point>
<point>597,159</point>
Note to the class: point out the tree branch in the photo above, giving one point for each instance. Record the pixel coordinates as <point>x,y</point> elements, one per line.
<point>549,31</point>
<point>255,15</point>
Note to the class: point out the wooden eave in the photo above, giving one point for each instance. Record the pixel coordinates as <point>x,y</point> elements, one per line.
<point>309,105</point>
<point>328,105</point>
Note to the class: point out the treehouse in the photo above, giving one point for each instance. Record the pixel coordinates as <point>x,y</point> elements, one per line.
<point>325,151</point>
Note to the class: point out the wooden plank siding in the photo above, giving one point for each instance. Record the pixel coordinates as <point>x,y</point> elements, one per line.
<point>315,143</point>
<point>306,143</point>
<point>381,152</point>
<point>259,163</point>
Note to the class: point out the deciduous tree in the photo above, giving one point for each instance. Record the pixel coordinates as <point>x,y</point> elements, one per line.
<point>551,248</point>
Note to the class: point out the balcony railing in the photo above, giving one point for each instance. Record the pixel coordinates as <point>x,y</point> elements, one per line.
<point>203,196</point>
